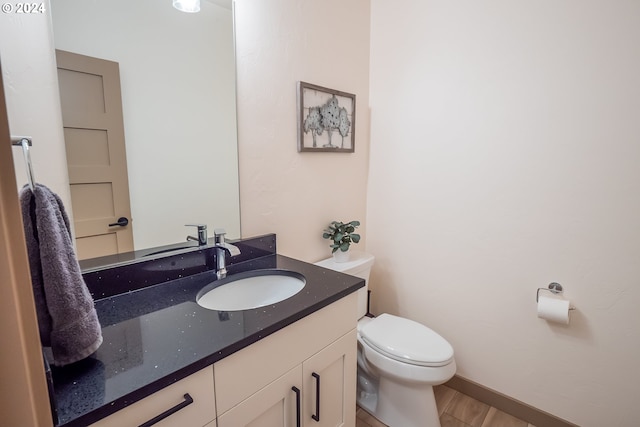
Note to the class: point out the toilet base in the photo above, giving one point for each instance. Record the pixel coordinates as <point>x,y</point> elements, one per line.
<point>367,391</point>
<point>368,402</point>
<point>404,405</point>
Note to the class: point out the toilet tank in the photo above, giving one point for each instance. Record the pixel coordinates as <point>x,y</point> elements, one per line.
<point>359,265</point>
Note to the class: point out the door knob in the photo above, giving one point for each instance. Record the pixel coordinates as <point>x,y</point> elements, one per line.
<point>122,222</point>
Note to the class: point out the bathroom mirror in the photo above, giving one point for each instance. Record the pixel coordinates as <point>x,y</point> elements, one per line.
<point>177,74</point>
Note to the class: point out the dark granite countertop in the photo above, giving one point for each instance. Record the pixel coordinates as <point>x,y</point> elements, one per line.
<point>158,335</point>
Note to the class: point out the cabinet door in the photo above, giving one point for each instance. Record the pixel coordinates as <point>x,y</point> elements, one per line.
<point>329,379</point>
<point>275,405</point>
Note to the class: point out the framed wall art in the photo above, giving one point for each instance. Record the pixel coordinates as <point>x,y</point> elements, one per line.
<point>326,119</point>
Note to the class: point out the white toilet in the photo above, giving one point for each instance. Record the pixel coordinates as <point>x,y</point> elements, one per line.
<point>399,360</point>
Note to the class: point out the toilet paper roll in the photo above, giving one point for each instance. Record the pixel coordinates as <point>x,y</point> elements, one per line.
<point>554,309</point>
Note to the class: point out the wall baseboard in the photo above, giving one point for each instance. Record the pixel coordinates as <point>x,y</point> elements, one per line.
<point>506,404</point>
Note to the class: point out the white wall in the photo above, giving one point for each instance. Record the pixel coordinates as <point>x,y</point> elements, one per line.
<point>31,90</point>
<point>504,156</point>
<point>296,195</point>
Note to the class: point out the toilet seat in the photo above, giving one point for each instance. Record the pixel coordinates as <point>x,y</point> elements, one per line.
<point>406,341</point>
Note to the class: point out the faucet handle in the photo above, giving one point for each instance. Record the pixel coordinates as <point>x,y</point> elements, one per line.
<point>202,233</point>
<point>218,234</point>
<point>219,241</point>
<point>200,226</point>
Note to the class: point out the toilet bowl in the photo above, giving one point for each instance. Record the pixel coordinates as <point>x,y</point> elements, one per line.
<point>399,360</point>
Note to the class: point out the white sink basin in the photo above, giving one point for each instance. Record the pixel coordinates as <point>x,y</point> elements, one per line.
<point>251,289</point>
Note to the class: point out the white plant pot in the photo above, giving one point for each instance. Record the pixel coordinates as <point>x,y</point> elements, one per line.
<point>339,256</point>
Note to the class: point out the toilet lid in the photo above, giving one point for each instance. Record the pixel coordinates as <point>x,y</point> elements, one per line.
<point>407,341</point>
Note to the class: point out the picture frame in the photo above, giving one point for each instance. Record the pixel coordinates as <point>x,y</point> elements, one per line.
<point>326,119</point>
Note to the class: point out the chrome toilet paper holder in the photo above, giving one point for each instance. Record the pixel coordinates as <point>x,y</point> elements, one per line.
<point>555,288</point>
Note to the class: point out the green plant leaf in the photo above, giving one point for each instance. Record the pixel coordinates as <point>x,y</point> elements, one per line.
<point>342,235</point>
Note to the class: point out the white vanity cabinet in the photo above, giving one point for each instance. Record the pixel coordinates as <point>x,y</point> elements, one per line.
<point>263,383</point>
<point>305,369</point>
<point>188,402</point>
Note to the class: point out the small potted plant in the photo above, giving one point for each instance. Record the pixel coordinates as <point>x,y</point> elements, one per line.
<point>342,236</point>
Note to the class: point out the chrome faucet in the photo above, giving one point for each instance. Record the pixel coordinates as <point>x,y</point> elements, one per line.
<point>202,234</point>
<point>222,248</point>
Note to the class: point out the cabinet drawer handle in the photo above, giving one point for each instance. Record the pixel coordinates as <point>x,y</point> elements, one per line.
<point>297,392</point>
<point>316,416</point>
<point>188,400</point>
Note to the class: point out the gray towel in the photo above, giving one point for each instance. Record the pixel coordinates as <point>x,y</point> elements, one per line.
<point>67,318</point>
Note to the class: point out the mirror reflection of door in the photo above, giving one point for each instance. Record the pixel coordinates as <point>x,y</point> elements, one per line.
<point>94,138</point>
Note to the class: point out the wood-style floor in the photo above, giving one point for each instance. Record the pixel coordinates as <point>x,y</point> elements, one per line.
<point>456,410</point>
